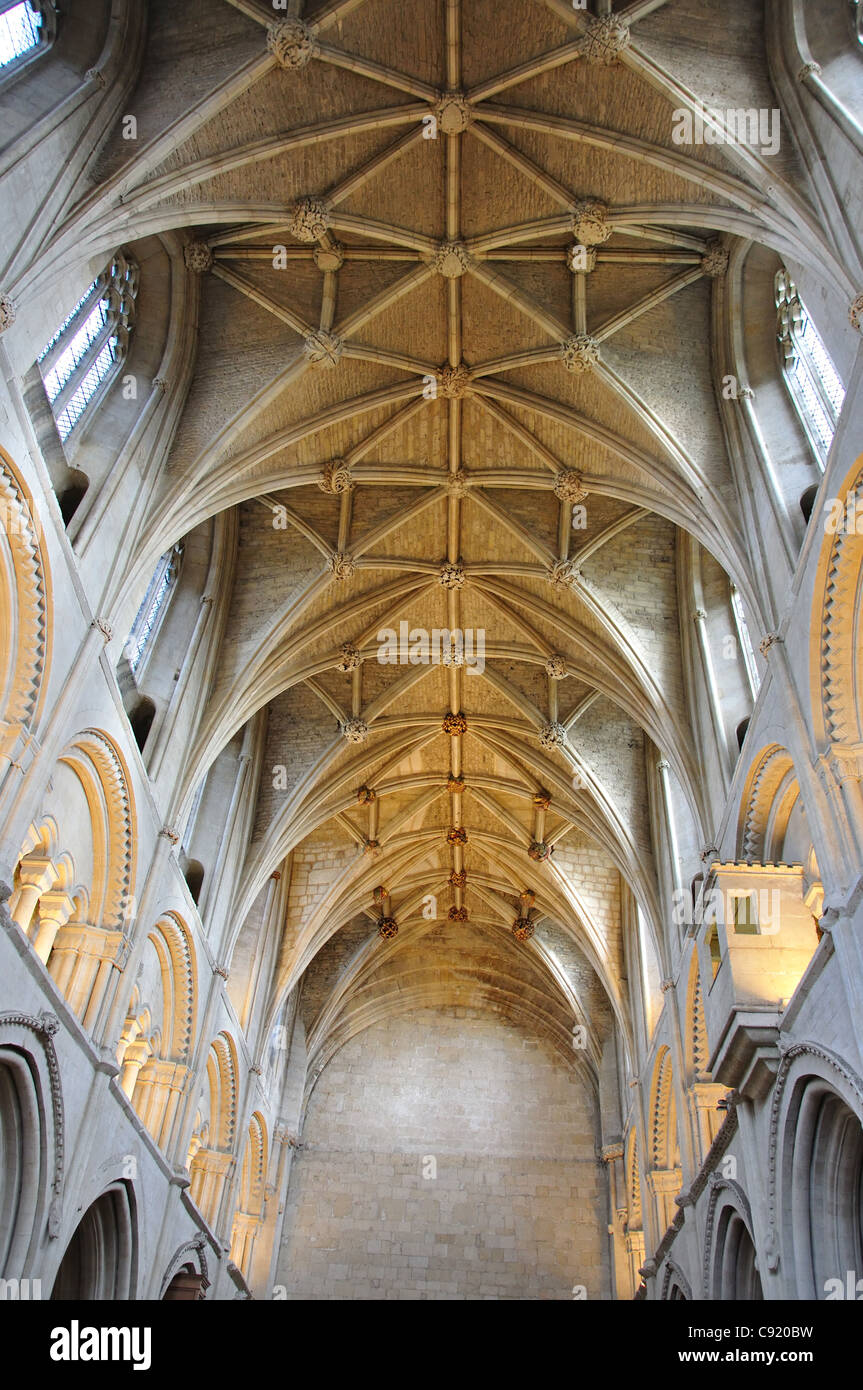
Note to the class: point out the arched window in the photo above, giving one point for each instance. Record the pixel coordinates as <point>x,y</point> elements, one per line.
<point>27,28</point>
<point>153,606</point>
<point>85,354</point>
<point>815,385</point>
<point>745,641</point>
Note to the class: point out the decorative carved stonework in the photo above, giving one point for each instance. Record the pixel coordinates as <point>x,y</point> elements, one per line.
<point>310,219</point>
<point>7,312</point>
<point>336,477</point>
<point>590,224</point>
<point>330,256</point>
<point>767,642</point>
<point>341,565</point>
<point>453,382</point>
<point>458,878</point>
<point>541,799</point>
<point>563,574</point>
<point>714,262</point>
<point>457,914</point>
<point>569,486</point>
<point>388,927</point>
<point>522,929</point>
<point>456,484</point>
<point>555,668</point>
<point>453,113</point>
<point>451,259</point>
<point>809,70</point>
<point>539,850</point>
<point>372,849</point>
<point>451,576</point>
<point>350,657</point>
<point>454,724</point>
<point>355,730</point>
<point>365,795</point>
<point>455,784</point>
<point>580,353</point>
<point>379,893</point>
<point>604,40</point>
<point>101,625</point>
<point>855,314</point>
<point>198,257</point>
<point>456,835</point>
<point>552,735</point>
<point>323,348</point>
<point>292,43</point>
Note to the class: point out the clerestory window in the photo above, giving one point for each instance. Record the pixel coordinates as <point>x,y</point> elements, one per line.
<point>813,381</point>
<point>85,354</point>
<point>153,607</point>
<point>27,28</point>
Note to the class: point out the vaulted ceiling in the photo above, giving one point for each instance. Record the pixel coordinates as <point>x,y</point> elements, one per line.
<point>429,406</point>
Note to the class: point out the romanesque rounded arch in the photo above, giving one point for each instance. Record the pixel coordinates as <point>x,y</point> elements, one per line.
<point>102,772</point>
<point>815,1172</point>
<point>663,1118</point>
<point>771,785</point>
<point>32,1136</point>
<point>250,1205</point>
<point>25,611</point>
<point>222,1075</point>
<point>175,950</point>
<point>730,1262</point>
<point>675,1285</point>
<point>836,662</point>
<point>633,1182</point>
<point>99,1263</point>
<point>696,1044</point>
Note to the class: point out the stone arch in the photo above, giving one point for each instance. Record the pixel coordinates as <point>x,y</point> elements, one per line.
<point>837,627</point>
<point>102,771</point>
<point>187,1276</point>
<point>99,1263</point>
<point>222,1076</point>
<point>211,1153</point>
<point>697,1046</point>
<point>175,949</point>
<point>815,1171</point>
<point>32,1138</point>
<point>633,1183</point>
<point>730,1262</point>
<point>250,1207</point>
<point>158,1032</point>
<point>25,612</point>
<point>675,1285</point>
<point>769,793</point>
<point>663,1114</point>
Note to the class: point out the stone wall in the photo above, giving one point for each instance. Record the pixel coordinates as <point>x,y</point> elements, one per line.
<point>516,1209</point>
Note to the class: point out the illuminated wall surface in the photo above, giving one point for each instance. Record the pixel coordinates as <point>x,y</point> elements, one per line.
<point>431,690</point>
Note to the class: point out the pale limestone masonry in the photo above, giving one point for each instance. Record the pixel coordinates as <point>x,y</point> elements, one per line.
<point>617,850</point>
<point>507,1214</point>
